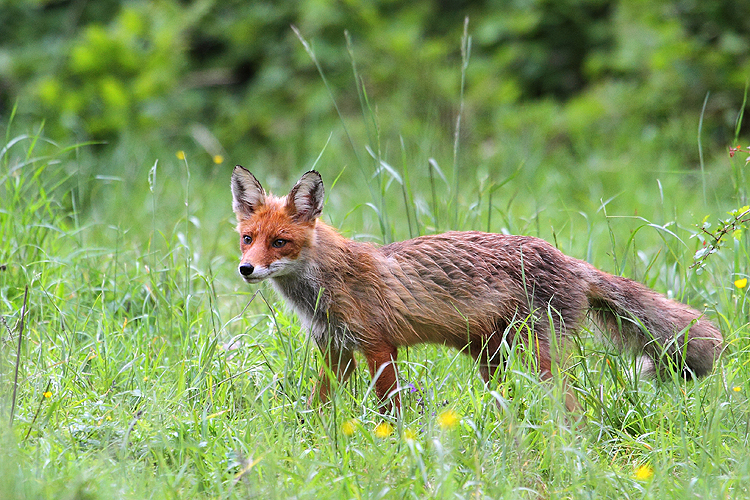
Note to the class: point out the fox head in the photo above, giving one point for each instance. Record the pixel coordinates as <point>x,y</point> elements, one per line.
<point>274,232</point>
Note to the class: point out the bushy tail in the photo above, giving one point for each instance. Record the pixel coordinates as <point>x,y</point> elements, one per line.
<point>673,335</point>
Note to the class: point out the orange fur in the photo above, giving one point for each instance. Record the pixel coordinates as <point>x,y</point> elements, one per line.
<point>470,290</point>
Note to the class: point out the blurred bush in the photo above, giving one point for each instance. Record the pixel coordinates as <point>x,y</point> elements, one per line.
<point>572,72</point>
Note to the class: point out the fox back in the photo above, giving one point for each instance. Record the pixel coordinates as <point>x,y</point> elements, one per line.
<point>474,291</point>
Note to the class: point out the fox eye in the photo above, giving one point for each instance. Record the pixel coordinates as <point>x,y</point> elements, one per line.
<point>278,243</point>
<point>246,239</point>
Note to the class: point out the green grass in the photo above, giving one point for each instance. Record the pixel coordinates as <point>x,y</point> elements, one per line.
<point>147,369</point>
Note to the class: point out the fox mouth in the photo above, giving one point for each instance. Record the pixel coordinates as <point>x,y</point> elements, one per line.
<point>253,279</point>
<point>259,275</point>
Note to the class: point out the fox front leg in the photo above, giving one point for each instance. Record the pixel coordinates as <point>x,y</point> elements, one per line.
<point>382,364</point>
<point>339,364</point>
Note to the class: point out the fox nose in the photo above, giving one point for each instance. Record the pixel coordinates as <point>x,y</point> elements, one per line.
<point>246,269</point>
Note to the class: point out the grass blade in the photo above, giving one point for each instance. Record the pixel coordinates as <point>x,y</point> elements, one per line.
<point>18,356</point>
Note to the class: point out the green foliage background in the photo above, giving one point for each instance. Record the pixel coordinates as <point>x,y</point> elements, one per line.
<point>570,73</point>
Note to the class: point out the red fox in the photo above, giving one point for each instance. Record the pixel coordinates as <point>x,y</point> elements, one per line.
<point>470,290</point>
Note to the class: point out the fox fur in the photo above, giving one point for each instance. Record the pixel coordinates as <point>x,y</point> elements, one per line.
<point>470,290</point>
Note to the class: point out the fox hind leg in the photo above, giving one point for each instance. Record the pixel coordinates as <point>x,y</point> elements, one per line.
<point>489,354</point>
<point>381,360</point>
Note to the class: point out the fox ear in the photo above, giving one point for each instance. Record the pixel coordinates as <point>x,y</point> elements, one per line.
<point>305,201</point>
<point>247,193</point>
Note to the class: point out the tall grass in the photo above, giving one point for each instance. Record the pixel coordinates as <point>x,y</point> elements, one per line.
<point>147,370</point>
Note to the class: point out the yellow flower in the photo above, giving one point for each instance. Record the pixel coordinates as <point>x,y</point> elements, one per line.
<point>218,159</point>
<point>410,435</point>
<point>349,427</point>
<point>383,430</point>
<point>448,419</point>
<point>741,283</point>
<point>47,394</point>
<point>643,472</point>
<point>180,155</point>
<point>736,388</point>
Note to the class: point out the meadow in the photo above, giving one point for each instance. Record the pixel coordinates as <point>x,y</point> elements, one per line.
<point>136,363</point>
